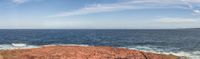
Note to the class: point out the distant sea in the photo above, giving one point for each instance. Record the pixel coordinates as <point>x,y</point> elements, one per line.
<point>181,42</point>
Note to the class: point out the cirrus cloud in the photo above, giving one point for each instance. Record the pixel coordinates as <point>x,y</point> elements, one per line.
<point>131,5</point>
<point>19,1</point>
<point>177,20</point>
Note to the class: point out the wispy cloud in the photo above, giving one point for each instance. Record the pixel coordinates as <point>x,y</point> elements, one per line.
<point>96,8</point>
<point>19,1</point>
<point>24,1</point>
<point>191,7</point>
<point>129,5</point>
<point>177,20</point>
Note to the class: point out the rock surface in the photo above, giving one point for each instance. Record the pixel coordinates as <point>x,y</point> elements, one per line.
<point>80,52</point>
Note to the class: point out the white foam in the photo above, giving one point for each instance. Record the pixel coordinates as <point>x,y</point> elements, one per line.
<point>19,44</point>
<point>66,45</point>
<point>10,47</point>
<point>189,55</point>
<point>25,46</point>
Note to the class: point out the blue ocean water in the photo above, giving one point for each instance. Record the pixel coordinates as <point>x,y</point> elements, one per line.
<point>184,42</point>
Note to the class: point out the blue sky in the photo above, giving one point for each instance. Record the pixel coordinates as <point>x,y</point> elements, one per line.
<point>99,14</point>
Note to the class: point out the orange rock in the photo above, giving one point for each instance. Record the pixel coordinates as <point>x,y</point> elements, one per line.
<point>80,52</point>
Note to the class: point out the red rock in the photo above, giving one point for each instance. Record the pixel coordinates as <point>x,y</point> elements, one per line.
<point>80,52</point>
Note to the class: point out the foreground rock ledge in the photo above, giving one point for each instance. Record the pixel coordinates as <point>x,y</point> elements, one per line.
<point>80,52</point>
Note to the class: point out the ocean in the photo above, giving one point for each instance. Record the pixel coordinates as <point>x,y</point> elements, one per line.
<point>181,42</point>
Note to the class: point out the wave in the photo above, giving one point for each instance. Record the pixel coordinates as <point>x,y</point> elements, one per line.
<point>66,45</point>
<point>153,49</point>
<point>26,46</point>
<point>11,46</point>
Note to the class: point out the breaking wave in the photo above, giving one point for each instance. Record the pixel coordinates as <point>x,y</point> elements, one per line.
<point>26,46</point>
<point>10,46</point>
<point>153,49</point>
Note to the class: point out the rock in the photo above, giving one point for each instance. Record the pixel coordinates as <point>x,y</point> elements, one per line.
<point>81,52</point>
<point>1,57</point>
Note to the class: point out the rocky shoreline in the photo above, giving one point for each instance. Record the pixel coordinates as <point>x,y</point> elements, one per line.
<point>81,52</point>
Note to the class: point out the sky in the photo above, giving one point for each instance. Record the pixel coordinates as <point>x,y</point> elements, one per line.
<point>99,14</point>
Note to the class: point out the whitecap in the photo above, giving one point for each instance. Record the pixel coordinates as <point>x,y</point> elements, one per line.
<point>66,45</point>
<point>16,46</point>
<point>153,49</point>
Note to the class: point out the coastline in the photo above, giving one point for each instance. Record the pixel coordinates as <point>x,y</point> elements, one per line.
<point>81,52</point>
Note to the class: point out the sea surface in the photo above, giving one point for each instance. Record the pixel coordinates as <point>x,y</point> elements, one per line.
<point>181,42</point>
